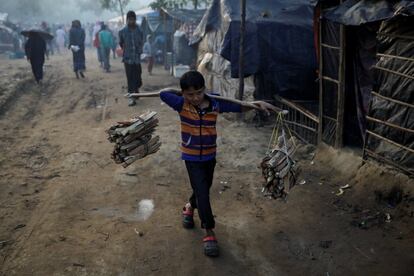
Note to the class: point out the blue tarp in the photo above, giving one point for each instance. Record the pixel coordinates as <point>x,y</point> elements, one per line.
<point>358,12</point>
<point>279,40</point>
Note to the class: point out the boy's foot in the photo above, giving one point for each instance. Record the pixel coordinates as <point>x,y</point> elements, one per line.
<point>77,74</point>
<point>188,217</point>
<point>131,102</point>
<point>81,74</point>
<point>211,248</point>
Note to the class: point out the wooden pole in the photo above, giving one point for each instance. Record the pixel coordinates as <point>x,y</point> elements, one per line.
<point>320,123</point>
<point>341,91</point>
<point>241,49</point>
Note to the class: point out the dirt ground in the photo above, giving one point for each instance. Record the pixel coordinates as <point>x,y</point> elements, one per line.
<point>67,209</point>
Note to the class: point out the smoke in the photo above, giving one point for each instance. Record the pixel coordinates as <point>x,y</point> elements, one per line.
<point>31,11</point>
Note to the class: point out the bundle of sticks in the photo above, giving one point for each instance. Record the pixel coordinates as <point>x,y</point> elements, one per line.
<point>279,169</point>
<point>134,139</point>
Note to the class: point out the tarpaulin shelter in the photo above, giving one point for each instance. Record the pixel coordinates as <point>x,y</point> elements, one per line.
<point>279,55</point>
<point>366,65</point>
<point>164,23</point>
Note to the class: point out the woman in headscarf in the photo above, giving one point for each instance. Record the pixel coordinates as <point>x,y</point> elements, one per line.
<point>77,45</point>
<point>35,52</point>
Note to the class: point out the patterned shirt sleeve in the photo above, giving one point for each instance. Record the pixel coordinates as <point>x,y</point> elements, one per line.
<point>226,107</point>
<point>174,101</point>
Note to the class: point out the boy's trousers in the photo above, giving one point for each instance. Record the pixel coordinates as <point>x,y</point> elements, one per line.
<point>201,178</point>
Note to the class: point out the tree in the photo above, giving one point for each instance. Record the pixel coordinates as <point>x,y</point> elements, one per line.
<point>115,5</point>
<point>168,4</point>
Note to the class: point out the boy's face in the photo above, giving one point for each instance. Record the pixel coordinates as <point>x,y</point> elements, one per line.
<point>193,96</point>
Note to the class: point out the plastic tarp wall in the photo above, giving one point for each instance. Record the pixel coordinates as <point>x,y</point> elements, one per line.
<point>279,47</point>
<point>395,105</point>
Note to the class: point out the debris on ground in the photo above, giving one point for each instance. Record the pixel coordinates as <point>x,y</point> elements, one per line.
<point>134,139</point>
<point>342,189</point>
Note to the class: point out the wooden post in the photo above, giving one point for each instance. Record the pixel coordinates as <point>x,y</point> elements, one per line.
<point>241,49</point>
<point>320,125</point>
<point>341,91</point>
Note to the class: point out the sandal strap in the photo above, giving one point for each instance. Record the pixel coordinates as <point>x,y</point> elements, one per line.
<point>188,213</point>
<point>209,238</point>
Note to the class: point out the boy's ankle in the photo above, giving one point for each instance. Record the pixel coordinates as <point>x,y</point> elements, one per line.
<point>210,232</point>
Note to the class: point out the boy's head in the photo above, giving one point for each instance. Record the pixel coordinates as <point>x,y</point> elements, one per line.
<point>192,86</point>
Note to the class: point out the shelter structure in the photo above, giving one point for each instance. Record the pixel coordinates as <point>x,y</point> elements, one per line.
<point>279,53</point>
<point>366,73</point>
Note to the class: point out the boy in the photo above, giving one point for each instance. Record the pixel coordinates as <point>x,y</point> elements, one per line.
<point>198,113</point>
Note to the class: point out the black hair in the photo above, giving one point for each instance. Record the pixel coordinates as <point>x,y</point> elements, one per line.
<point>192,79</point>
<point>131,14</point>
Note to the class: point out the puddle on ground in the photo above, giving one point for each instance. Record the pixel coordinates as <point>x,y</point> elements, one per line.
<point>144,210</point>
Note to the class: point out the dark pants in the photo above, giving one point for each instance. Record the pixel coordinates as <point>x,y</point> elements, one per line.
<point>106,52</point>
<point>201,178</point>
<point>150,61</point>
<point>133,74</point>
<point>37,68</point>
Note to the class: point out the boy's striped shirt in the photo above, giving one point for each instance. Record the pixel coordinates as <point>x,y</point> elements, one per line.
<point>198,127</point>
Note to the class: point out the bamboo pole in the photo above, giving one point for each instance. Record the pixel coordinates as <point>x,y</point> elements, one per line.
<point>320,119</point>
<point>241,49</point>
<point>236,101</point>
<point>298,108</point>
<point>396,57</point>
<point>397,36</point>
<point>394,72</point>
<point>389,124</point>
<point>301,125</point>
<point>390,141</point>
<point>385,160</point>
<point>341,90</point>
<point>331,79</point>
<point>330,46</point>
<point>391,99</point>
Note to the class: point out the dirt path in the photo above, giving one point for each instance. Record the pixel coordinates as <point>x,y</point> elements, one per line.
<point>66,209</point>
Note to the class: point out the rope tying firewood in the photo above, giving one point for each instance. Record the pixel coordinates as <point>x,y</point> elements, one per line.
<point>278,166</point>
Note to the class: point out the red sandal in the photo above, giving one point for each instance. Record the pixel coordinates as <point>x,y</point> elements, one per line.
<point>188,220</point>
<point>211,248</point>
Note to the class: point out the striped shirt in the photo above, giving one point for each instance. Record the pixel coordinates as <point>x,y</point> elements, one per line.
<point>198,126</point>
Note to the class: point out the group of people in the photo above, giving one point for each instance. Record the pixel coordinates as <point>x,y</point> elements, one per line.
<point>131,42</point>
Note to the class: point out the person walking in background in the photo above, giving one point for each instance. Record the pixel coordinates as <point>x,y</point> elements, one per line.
<point>60,39</point>
<point>49,43</point>
<point>106,43</point>
<point>149,54</point>
<point>77,45</point>
<point>95,34</point>
<point>35,52</point>
<point>131,41</point>
<point>115,42</point>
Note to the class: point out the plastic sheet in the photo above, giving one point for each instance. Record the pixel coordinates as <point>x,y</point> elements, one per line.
<point>278,42</point>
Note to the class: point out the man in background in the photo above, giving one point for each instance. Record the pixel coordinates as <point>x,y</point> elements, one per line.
<point>131,41</point>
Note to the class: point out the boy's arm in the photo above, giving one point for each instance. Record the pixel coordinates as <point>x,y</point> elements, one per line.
<point>234,105</point>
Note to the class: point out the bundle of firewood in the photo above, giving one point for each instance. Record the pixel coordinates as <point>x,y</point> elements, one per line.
<point>134,139</point>
<point>279,169</point>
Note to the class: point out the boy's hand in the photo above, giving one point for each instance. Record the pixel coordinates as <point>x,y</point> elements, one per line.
<point>266,107</point>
